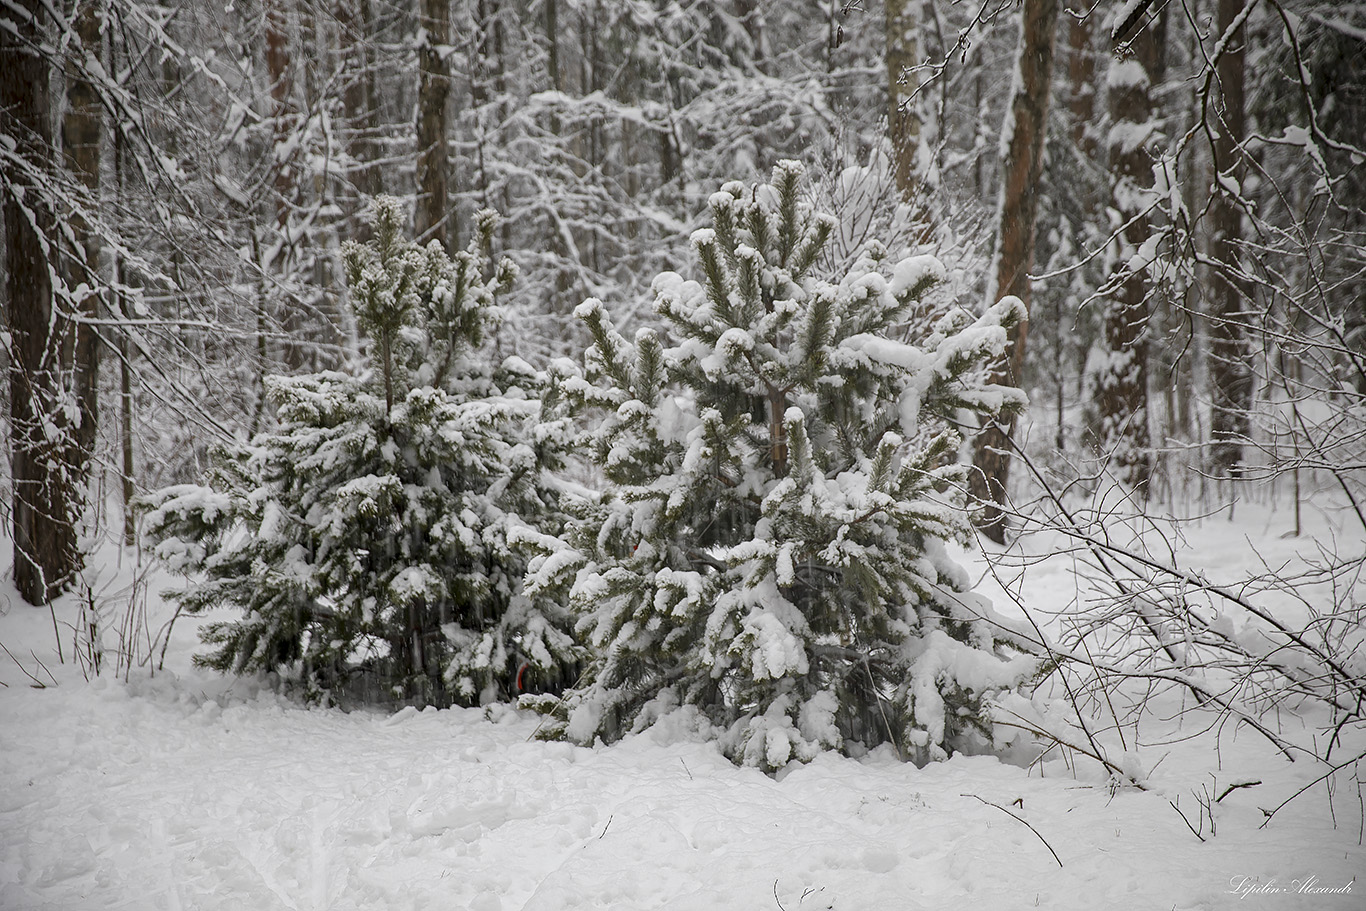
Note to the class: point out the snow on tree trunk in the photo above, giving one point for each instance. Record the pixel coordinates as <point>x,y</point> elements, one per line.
<point>782,583</point>
<point>1022,148</point>
<point>1119,370</point>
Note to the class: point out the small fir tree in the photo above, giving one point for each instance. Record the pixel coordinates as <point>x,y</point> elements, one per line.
<point>365,539</point>
<point>772,555</point>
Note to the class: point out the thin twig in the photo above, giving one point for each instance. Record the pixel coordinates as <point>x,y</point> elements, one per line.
<point>56,631</point>
<point>37,684</point>
<point>1185,820</point>
<point>1328,774</point>
<point>1030,728</point>
<point>42,665</point>
<point>1235,786</point>
<point>1020,820</point>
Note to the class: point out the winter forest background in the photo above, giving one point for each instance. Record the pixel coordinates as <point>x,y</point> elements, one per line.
<point>197,169</point>
<point>248,244</point>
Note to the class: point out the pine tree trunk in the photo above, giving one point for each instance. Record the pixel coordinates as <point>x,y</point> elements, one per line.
<point>594,82</point>
<point>751,15</point>
<point>359,98</point>
<point>117,189</point>
<point>487,89</point>
<point>1229,374</point>
<point>126,423</point>
<point>284,121</point>
<point>1022,166</point>
<point>777,431</point>
<point>564,300</point>
<point>81,124</point>
<point>1122,386</point>
<point>46,481</point>
<point>126,438</point>
<point>433,220</point>
<point>281,89</point>
<point>903,120</point>
<point>1081,71</point>
<point>552,35</point>
<point>1084,155</point>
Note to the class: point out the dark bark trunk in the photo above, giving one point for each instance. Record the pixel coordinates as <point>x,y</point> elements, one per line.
<point>1081,73</point>
<point>433,219</point>
<point>126,439</point>
<point>552,34</point>
<point>1229,374</point>
<point>46,481</point>
<point>751,15</point>
<point>119,305</point>
<point>81,143</point>
<point>903,120</point>
<point>359,97</point>
<point>777,431</point>
<point>1021,168</point>
<point>284,120</point>
<point>281,90</point>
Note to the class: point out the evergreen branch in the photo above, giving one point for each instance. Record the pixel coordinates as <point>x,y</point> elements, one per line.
<point>786,177</point>
<point>718,280</point>
<point>812,245</point>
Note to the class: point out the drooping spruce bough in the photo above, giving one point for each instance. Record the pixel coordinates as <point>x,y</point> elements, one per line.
<point>769,556</point>
<point>364,540</point>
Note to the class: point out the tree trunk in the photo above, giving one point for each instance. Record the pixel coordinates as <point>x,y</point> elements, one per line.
<point>288,94</point>
<point>279,73</point>
<point>128,489</point>
<point>1122,384</point>
<point>47,497</point>
<point>432,218</point>
<point>115,188</point>
<point>359,97</point>
<point>81,124</point>
<point>751,15</point>
<point>126,439</point>
<point>1229,374</point>
<point>1081,71</point>
<point>903,120</point>
<point>1021,166</point>
<point>552,35</point>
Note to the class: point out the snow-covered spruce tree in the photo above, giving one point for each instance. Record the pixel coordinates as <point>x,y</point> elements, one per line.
<point>365,538</point>
<point>772,553</point>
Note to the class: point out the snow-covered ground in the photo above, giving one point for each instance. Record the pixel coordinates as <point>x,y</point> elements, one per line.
<point>191,791</point>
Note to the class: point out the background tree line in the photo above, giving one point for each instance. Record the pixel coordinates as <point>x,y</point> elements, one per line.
<point>1183,180</point>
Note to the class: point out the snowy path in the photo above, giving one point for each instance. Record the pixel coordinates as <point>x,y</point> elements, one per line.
<point>152,796</point>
